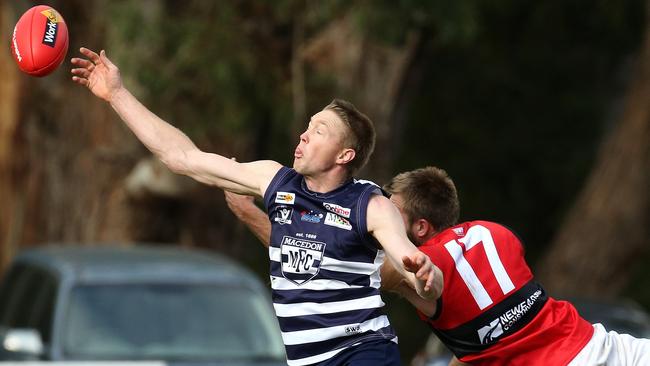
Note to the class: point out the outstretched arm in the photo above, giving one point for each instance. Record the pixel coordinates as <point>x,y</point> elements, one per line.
<point>386,225</point>
<point>168,143</point>
<point>392,280</point>
<point>247,212</point>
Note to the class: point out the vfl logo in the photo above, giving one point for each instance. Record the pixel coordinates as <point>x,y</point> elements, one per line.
<point>336,220</point>
<point>51,27</point>
<point>283,215</point>
<point>339,210</point>
<point>285,198</point>
<point>311,216</point>
<point>490,332</point>
<point>301,259</point>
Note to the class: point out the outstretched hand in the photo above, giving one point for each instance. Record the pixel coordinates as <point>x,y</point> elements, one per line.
<point>420,265</point>
<point>97,73</point>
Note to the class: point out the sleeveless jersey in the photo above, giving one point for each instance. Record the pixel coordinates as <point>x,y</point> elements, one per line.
<point>491,311</point>
<point>324,268</point>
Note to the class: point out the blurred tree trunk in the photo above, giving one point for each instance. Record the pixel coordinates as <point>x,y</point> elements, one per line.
<point>607,231</point>
<point>372,76</point>
<point>10,152</point>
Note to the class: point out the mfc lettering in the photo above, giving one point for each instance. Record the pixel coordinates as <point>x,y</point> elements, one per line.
<point>300,260</point>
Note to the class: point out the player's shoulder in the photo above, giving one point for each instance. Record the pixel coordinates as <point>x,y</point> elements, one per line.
<point>499,231</point>
<point>379,203</point>
<point>495,230</point>
<point>490,225</point>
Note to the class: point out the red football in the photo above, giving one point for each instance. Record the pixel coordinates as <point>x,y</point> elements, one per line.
<point>40,40</point>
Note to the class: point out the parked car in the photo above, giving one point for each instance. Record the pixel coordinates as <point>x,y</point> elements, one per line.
<point>623,316</point>
<point>116,303</point>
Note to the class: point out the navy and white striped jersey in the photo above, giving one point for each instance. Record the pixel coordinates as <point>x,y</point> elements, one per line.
<point>324,268</point>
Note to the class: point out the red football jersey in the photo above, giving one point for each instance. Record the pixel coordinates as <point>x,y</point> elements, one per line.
<point>491,311</point>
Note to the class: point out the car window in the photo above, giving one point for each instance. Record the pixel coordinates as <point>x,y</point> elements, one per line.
<point>169,322</point>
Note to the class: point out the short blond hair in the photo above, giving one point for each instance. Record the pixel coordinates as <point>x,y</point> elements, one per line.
<point>361,132</point>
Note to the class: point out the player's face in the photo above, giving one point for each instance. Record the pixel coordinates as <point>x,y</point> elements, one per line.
<point>398,201</point>
<point>320,144</point>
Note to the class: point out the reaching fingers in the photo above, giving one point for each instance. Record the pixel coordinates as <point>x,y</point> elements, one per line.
<point>423,270</point>
<point>83,63</point>
<point>429,284</point>
<point>90,54</point>
<point>79,80</point>
<point>104,59</point>
<point>82,72</point>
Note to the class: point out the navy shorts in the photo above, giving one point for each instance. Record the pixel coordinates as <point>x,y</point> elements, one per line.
<point>375,353</point>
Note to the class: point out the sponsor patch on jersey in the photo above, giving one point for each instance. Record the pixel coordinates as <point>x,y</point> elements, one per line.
<point>301,259</point>
<point>311,216</point>
<point>286,198</point>
<point>283,215</point>
<point>459,231</point>
<point>336,220</point>
<point>339,210</point>
<point>353,329</point>
<point>491,332</point>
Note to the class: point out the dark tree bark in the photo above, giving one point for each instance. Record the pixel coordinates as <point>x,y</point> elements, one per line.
<point>607,230</point>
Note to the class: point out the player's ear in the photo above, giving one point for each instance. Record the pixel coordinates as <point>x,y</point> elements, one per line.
<point>422,228</point>
<point>345,156</point>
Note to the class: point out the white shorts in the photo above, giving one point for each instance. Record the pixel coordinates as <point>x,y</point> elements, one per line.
<point>613,349</point>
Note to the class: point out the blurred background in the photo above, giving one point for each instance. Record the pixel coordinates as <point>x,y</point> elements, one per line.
<point>540,112</point>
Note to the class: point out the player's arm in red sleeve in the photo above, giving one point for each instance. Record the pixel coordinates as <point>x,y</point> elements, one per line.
<point>247,212</point>
<point>168,143</point>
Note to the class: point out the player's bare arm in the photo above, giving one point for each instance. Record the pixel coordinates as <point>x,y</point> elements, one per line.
<point>392,280</point>
<point>385,224</point>
<point>247,212</point>
<point>168,143</point>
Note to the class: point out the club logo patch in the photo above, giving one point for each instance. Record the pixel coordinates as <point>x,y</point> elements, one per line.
<point>283,215</point>
<point>339,210</point>
<point>286,198</point>
<point>337,221</point>
<point>311,216</point>
<point>301,259</point>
